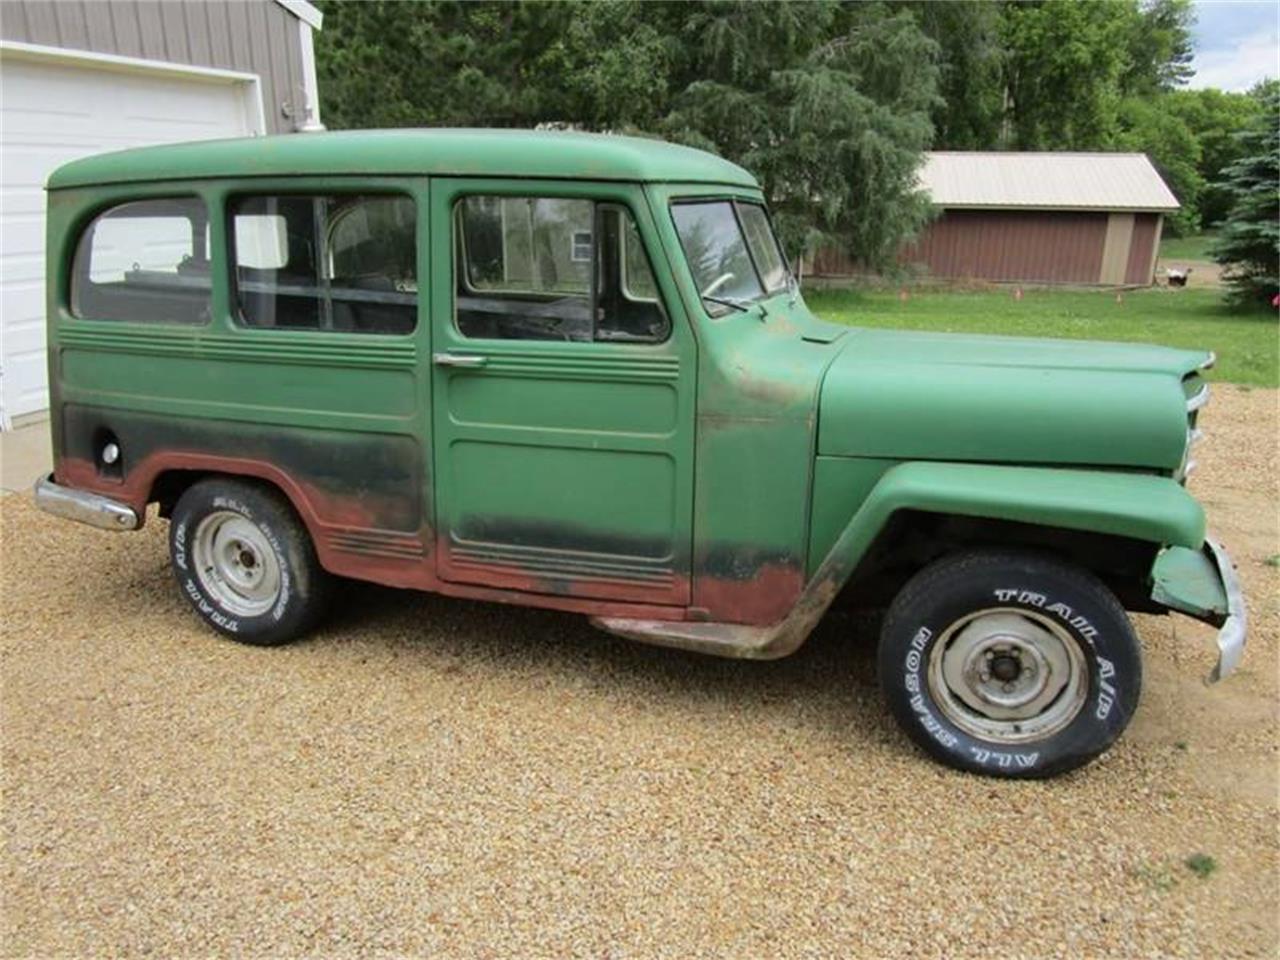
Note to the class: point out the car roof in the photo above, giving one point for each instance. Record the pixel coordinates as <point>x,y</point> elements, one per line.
<point>413,152</point>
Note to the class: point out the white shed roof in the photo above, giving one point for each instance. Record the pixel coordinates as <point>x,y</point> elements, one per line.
<point>1045,181</point>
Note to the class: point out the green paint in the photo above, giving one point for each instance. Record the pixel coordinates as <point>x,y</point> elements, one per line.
<point>1004,399</point>
<point>840,486</point>
<point>1143,507</point>
<point>759,440</point>
<point>477,153</point>
<point>1188,580</point>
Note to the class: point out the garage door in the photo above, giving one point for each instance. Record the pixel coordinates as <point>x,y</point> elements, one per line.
<point>52,111</point>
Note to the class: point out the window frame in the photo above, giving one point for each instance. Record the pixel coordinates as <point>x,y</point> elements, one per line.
<point>461,275</point>
<point>76,276</point>
<point>733,201</point>
<point>575,238</point>
<point>773,235</point>
<point>626,274</point>
<point>235,308</point>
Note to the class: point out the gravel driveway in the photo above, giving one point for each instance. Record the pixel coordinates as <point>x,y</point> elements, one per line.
<point>438,776</point>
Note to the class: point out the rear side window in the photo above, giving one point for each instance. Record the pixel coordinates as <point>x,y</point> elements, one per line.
<point>339,263</point>
<point>145,261</point>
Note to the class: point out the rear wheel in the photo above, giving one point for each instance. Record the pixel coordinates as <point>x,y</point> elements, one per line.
<point>245,562</point>
<point>1009,664</point>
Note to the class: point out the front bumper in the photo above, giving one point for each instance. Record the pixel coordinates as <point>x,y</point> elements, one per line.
<point>91,508</point>
<point>1203,584</point>
<point>1232,635</point>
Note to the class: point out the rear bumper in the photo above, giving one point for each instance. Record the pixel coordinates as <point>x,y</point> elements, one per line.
<point>1203,584</point>
<point>91,508</point>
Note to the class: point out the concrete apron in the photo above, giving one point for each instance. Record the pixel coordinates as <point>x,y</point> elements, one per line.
<point>25,453</point>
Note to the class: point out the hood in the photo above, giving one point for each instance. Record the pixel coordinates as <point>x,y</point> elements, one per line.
<point>937,396</point>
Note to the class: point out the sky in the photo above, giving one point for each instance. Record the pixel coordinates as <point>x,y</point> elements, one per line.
<point>1237,43</point>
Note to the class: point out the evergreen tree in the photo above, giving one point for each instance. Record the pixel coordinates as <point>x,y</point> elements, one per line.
<point>828,104</point>
<point>1249,242</point>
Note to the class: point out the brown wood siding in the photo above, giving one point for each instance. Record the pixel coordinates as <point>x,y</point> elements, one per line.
<point>1141,250</point>
<point>251,36</point>
<point>1035,246</point>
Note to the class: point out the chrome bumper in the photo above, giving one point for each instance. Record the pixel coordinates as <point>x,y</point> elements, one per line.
<point>90,508</point>
<point>1232,635</point>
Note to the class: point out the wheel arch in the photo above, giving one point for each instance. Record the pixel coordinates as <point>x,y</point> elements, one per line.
<point>1111,523</point>
<point>1142,511</point>
<point>170,479</point>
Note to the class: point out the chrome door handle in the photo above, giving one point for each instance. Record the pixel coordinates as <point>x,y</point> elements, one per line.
<point>459,360</point>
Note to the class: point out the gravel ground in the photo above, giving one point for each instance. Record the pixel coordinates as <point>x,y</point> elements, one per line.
<point>437,776</point>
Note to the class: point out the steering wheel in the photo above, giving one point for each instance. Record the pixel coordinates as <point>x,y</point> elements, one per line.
<point>717,283</point>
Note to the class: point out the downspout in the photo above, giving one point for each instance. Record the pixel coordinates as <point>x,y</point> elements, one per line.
<point>309,20</point>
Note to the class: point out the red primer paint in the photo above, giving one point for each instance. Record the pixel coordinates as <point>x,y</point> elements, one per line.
<point>762,599</point>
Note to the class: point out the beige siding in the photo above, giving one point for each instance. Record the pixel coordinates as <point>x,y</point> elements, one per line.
<point>1115,249</point>
<point>252,36</point>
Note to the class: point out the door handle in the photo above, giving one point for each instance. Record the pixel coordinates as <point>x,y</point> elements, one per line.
<point>459,360</point>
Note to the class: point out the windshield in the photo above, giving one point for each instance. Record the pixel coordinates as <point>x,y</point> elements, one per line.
<point>731,250</point>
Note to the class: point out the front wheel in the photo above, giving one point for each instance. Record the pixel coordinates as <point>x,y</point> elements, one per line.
<point>1009,664</point>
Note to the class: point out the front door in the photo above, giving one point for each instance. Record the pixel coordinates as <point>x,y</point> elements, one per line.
<point>563,393</point>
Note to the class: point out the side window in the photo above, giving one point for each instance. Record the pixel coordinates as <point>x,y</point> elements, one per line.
<point>545,268</point>
<point>342,263</point>
<point>146,261</point>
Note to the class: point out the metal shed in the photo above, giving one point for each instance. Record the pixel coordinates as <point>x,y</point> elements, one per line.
<point>78,78</point>
<point>1082,218</point>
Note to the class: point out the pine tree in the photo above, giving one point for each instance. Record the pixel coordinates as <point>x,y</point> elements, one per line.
<point>1249,242</point>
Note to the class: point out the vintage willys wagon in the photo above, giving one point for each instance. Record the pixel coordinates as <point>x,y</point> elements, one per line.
<point>576,372</point>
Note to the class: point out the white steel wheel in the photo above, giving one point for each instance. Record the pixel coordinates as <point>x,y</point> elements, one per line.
<point>1008,675</point>
<point>236,564</point>
<point>244,561</point>
<point>1009,663</point>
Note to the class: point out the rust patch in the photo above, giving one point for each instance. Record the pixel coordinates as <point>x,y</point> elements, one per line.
<point>763,598</point>
<point>326,516</point>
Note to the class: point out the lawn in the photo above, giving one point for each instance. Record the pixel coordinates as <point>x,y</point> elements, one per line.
<point>1193,248</point>
<point>1247,344</point>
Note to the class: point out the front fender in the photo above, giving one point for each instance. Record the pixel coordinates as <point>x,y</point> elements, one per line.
<point>1140,506</point>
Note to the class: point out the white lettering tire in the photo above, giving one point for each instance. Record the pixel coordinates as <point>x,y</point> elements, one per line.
<point>1009,664</point>
<point>245,562</point>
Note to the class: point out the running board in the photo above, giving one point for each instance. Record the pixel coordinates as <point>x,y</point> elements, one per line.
<point>738,640</point>
<point>718,639</point>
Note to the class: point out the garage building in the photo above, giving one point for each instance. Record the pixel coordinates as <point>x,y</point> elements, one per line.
<point>1079,218</point>
<point>84,78</point>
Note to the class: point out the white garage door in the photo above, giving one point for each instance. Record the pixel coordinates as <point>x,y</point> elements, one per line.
<point>52,111</point>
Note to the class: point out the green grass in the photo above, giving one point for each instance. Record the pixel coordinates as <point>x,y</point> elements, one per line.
<point>1202,865</point>
<point>1247,344</point>
<point>1195,247</point>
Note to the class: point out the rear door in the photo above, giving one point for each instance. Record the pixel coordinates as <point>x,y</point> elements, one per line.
<point>563,393</point>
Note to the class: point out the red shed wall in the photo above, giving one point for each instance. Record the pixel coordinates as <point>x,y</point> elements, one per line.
<point>1042,246</point>
<point>1142,249</point>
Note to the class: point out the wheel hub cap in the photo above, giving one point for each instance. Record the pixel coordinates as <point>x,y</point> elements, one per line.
<point>235,564</point>
<point>1008,675</point>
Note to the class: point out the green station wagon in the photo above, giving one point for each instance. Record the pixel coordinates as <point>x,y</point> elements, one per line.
<point>577,372</point>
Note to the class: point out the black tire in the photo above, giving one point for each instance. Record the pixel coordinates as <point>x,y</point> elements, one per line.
<point>1061,602</point>
<point>274,538</point>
